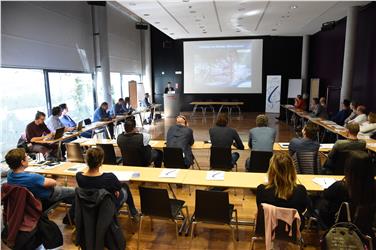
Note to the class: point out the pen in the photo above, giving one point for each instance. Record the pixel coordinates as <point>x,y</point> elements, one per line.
<point>169,172</point>
<point>215,174</point>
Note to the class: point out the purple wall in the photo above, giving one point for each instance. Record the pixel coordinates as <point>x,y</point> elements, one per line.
<point>326,57</point>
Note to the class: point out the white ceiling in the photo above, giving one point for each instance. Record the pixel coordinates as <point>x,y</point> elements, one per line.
<point>181,19</point>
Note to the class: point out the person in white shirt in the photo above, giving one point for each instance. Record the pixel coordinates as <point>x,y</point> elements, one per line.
<point>361,115</point>
<point>353,107</point>
<point>369,127</point>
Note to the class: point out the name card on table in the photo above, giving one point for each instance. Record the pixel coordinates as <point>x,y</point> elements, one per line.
<point>126,175</point>
<point>169,173</point>
<point>215,175</point>
<point>324,182</point>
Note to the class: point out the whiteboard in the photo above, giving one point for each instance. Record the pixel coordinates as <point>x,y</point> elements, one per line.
<point>295,88</point>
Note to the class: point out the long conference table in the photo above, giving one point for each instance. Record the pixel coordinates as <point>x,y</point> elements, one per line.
<point>242,180</point>
<point>212,103</point>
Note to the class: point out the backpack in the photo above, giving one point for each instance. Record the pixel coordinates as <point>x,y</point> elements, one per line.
<point>344,235</point>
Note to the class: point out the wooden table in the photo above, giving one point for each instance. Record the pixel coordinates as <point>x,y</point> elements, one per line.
<point>221,104</point>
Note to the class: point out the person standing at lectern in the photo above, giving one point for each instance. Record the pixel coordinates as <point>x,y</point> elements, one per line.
<point>168,88</point>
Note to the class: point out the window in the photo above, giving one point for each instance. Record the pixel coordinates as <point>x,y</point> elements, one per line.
<point>74,89</point>
<point>115,79</point>
<point>22,94</point>
<point>125,79</point>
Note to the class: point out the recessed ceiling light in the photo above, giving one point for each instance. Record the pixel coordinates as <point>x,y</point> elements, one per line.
<point>185,1</point>
<point>201,27</point>
<point>157,22</point>
<point>146,14</point>
<point>190,6</point>
<point>132,4</point>
<point>274,29</point>
<point>204,32</point>
<point>197,20</point>
<point>293,7</point>
<point>238,31</point>
<point>241,9</point>
<point>165,28</point>
<point>171,34</point>
<point>252,13</point>
<point>192,11</point>
<point>240,18</point>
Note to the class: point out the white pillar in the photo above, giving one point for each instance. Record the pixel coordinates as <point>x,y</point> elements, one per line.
<point>305,58</point>
<point>146,61</point>
<point>348,57</point>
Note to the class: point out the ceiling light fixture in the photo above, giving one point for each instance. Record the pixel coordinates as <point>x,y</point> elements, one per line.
<point>293,7</point>
<point>132,4</point>
<point>252,13</point>
<point>165,28</point>
<point>146,14</point>
<point>274,29</point>
<point>197,20</point>
<point>192,11</point>
<point>185,1</point>
<point>171,34</point>
<point>157,22</point>
<point>241,9</point>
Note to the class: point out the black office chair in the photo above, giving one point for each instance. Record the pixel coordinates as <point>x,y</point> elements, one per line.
<point>133,156</point>
<point>214,207</point>
<point>173,158</point>
<point>259,161</point>
<point>155,203</point>
<point>280,232</point>
<point>109,154</point>
<point>221,159</point>
<point>74,152</point>
<point>307,162</point>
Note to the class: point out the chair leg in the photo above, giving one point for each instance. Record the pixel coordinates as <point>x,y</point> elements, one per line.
<point>196,162</point>
<point>177,233</point>
<point>139,231</point>
<point>236,224</point>
<point>233,236</point>
<point>192,233</point>
<point>151,224</point>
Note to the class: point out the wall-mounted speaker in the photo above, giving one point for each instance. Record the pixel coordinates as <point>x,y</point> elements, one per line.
<point>328,26</point>
<point>141,26</point>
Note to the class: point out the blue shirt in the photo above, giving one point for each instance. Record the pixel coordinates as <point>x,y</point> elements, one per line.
<point>100,115</point>
<point>118,109</point>
<point>67,121</point>
<point>31,181</point>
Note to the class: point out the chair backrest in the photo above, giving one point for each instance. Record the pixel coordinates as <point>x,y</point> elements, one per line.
<point>220,158</point>
<point>339,162</point>
<point>74,152</point>
<point>109,154</point>
<point>87,121</point>
<point>173,158</point>
<point>133,156</point>
<point>259,161</point>
<point>280,230</point>
<point>155,202</point>
<point>307,162</point>
<point>212,206</point>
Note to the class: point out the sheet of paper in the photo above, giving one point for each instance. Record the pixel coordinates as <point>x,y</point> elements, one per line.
<point>169,173</point>
<point>371,144</point>
<point>153,143</point>
<point>33,169</point>
<point>324,182</point>
<point>215,175</point>
<point>125,175</point>
<point>327,122</point>
<point>284,145</point>
<point>327,145</point>
<point>75,168</point>
<point>338,127</point>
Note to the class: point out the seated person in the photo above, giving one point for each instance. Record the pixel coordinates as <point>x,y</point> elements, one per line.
<point>135,139</point>
<point>353,107</point>
<point>95,178</point>
<point>44,189</point>
<point>69,122</point>
<point>118,108</point>
<point>147,104</point>
<point>307,142</point>
<point>36,131</point>
<point>181,136</point>
<point>361,116</point>
<point>350,144</point>
<point>222,136</point>
<point>358,188</point>
<point>319,109</point>
<point>53,122</point>
<point>299,102</point>
<point>101,114</point>
<point>343,114</point>
<point>282,189</point>
<point>127,105</point>
<point>369,127</point>
<point>262,137</point>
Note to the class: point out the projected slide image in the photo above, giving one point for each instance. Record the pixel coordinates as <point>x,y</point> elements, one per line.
<point>223,66</point>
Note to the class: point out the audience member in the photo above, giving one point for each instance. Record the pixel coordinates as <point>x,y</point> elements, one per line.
<point>43,188</point>
<point>353,106</point>
<point>118,108</point>
<point>319,108</point>
<point>299,102</point>
<point>369,127</point>
<point>282,189</point>
<point>350,144</point>
<point>94,178</point>
<point>53,122</point>
<point>181,136</point>
<point>343,114</point>
<point>361,116</point>
<point>147,104</point>
<point>127,105</point>
<point>134,139</point>
<point>222,136</point>
<point>102,114</point>
<point>69,122</point>
<point>358,188</point>
<point>37,131</point>
<point>307,142</point>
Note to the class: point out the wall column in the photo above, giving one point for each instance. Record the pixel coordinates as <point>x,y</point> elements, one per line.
<point>146,61</point>
<point>305,60</point>
<point>348,57</point>
<point>101,52</point>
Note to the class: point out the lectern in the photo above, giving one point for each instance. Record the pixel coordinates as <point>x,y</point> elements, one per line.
<point>172,105</point>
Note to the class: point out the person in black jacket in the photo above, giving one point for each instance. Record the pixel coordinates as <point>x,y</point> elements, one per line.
<point>282,189</point>
<point>358,188</point>
<point>93,178</point>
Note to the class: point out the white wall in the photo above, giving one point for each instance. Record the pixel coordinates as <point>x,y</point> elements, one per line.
<point>47,35</point>
<point>124,43</point>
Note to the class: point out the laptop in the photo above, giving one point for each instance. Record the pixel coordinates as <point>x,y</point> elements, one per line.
<point>58,134</point>
<point>79,126</point>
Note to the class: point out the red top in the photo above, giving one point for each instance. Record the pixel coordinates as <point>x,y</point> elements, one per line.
<point>299,103</point>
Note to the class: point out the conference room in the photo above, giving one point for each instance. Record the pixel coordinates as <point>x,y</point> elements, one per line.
<point>188,124</point>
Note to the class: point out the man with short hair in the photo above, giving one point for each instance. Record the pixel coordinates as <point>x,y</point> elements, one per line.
<point>69,122</point>
<point>181,136</point>
<point>342,115</point>
<point>307,142</point>
<point>101,114</point>
<point>134,139</point>
<point>43,188</point>
<point>168,88</point>
<point>118,108</point>
<point>37,131</point>
<point>352,143</point>
<point>53,122</point>
<point>146,103</point>
<point>361,116</point>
